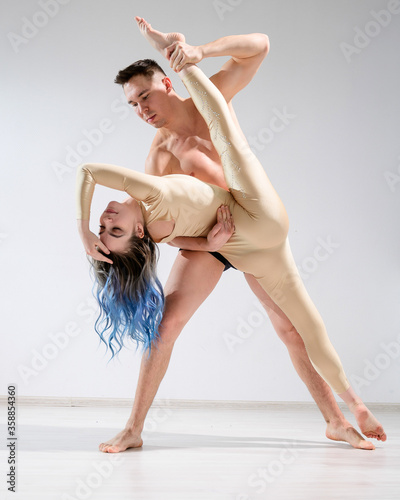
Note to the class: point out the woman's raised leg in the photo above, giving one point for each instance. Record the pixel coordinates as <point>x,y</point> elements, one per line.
<point>244,175</point>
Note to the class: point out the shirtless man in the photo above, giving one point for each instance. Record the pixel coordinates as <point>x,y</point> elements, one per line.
<point>182,145</point>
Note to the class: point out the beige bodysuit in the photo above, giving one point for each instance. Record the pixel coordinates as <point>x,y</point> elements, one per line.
<point>259,245</point>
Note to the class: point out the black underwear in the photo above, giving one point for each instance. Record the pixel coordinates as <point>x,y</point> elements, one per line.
<point>221,258</point>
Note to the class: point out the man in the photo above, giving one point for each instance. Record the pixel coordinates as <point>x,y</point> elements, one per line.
<point>182,145</point>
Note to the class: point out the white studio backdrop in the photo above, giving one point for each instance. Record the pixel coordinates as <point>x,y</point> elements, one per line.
<point>323,116</point>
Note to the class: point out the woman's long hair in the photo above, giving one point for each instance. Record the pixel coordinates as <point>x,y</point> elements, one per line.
<point>130,295</point>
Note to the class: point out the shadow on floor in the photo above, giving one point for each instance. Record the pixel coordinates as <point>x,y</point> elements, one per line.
<point>40,438</point>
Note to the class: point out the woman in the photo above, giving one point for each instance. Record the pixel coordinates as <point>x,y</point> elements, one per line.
<point>161,208</point>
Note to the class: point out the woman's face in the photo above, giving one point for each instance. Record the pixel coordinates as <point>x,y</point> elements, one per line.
<point>119,222</point>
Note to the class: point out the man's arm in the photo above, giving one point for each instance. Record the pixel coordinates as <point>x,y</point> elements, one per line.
<point>216,238</point>
<point>188,243</point>
<point>247,53</point>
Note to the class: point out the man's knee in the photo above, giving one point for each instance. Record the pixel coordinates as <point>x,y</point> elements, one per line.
<point>171,327</point>
<point>291,338</point>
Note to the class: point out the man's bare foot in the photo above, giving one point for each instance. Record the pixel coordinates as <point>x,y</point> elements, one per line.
<point>121,442</point>
<point>344,431</point>
<point>160,41</point>
<point>368,424</point>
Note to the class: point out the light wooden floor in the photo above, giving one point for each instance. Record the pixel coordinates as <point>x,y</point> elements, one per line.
<point>275,453</point>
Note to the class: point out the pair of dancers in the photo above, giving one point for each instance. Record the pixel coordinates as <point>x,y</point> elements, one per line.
<point>162,208</point>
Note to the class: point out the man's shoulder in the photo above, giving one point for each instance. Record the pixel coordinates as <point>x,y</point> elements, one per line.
<point>159,158</point>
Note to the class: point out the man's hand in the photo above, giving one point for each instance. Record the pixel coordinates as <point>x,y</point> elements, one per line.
<point>92,244</point>
<point>216,238</point>
<point>181,53</point>
<point>222,231</point>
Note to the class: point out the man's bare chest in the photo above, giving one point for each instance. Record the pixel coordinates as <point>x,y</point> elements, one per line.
<point>196,156</point>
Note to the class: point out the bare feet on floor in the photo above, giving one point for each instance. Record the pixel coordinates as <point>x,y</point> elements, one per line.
<point>337,431</point>
<point>368,424</point>
<point>121,442</point>
<point>344,431</point>
<point>157,39</point>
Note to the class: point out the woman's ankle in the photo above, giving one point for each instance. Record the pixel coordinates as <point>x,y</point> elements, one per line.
<point>188,68</point>
<point>351,399</point>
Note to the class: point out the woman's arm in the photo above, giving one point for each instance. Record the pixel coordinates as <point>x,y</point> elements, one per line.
<point>137,184</point>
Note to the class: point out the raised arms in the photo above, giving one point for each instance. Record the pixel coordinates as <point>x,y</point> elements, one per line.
<point>247,53</point>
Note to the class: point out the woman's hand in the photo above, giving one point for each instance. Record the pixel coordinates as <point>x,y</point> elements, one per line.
<point>181,53</point>
<point>222,231</point>
<point>92,243</point>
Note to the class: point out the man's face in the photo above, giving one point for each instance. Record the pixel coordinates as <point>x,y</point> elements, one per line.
<point>149,98</point>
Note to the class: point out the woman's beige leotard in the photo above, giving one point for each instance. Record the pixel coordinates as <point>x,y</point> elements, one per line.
<point>259,245</point>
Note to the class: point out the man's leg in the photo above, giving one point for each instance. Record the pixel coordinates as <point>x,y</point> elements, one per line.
<point>193,277</point>
<point>338,428</point>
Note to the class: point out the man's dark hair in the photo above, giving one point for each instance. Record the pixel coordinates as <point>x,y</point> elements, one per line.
<point>146,67</point>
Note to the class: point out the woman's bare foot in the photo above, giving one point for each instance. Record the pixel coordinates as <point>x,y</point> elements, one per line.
<point>160,41</point>
<point>368,424</point>
<point>344,431</point>
<point>121,442</point>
